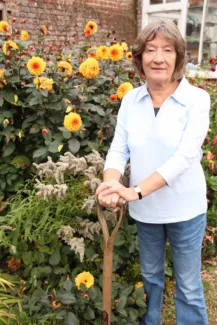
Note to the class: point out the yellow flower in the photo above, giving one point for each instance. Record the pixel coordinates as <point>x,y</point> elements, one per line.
<point>92,25</point>
<point>4,27</point>
<point>2,74</point>
<point>72,122</point>
<point>9,45</point>
<point>59,148</point>
<point>115,52</point>
<point>129,56</point>
<point>85,278</point>
<point>5,122</point>
<point>65,67</point>
<point>102,52</point>
<point>89,68</point>
<point>24,35</point>
<point>2,78</point>
<point>123,89</point>
<point>43,83</point>
<point>15,99</point>
<point>20,134</point>
<point>124,46</point>
<point>138,285</point>
<point>44,30</point>
<point>36,65</point>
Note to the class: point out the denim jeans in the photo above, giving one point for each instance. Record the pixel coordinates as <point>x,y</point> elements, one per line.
<point>186,241</point>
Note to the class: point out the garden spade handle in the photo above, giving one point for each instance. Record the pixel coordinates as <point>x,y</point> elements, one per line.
<point>108,242</point>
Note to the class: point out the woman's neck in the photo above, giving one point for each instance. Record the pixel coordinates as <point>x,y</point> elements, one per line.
<point>160,92</point>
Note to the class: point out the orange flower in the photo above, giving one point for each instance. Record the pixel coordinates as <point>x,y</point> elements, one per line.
<point>211,164</point>
<point>44,30</point>
<point>36,65</point>
<point>44,131</point>
<point>14,264</point>
<point>102,52</point>
<point>114,97</point>
<point>72,122</point>
<point>209,155</point>
<point>215,141</point>
<point>24,35</point>
<point>91,53</point>
<point>123,89</point>
<point>4,26</point>
<point>56,304</point>
<point>92,25</point>
<point>115,52</point>
<point>87,32</point>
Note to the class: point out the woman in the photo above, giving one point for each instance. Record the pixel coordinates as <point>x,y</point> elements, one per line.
<point>161,127</point>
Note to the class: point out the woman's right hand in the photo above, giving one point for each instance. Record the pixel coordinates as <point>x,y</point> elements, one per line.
<point>109,201</point>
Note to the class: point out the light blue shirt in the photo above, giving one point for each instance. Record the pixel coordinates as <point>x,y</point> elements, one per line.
<point>169,144</point>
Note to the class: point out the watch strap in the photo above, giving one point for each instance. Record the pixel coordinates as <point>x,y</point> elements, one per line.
<point>138,191</point>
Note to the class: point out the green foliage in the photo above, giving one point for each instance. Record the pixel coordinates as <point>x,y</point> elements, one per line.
<point>31,117</point>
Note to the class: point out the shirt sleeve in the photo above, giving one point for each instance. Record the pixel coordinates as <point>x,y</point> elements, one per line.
<point>119,153</point>
<point>190,145</point>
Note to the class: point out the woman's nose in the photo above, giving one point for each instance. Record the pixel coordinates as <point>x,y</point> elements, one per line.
<point>159,58</point>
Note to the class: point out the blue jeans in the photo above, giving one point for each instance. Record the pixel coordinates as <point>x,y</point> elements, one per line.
<point>186,241</point>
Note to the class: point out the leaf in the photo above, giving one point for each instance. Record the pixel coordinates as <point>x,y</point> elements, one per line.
<point>122,302</point>
<point>61,314</point>
<point>53,147</point>
<point>8,96</point>
<point>100,111</point>
<point>74,145</point>
<point>133,313</point>
<point>89,314</point>
<point>13,79</point>
<point>46,269</point>
<point>21,162</point>
<point>67,298</point>
<point>71,319</point>
<point>55,257</point>
<point>7,114</point>
<point>1,101</point>
<point>67,285</point>
<point>9,149</point>
<point>40,152</point>
<point>126,291</point>
<point>34,129</point>
<point>57,106</point>
<point>27,257</point>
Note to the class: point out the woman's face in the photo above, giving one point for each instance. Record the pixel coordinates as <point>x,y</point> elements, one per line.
<point>158,60</point>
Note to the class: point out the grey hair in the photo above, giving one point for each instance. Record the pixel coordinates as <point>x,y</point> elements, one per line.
<point>170,31</point>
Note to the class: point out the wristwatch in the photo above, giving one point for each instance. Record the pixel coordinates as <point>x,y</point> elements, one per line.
<point>138,191</point>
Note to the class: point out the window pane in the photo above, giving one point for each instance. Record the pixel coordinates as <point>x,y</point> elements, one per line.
<point>155,2</point>
<point>210,32</point>
<point>171,15</point>
<point>193,27</point>
<point>168,1</point>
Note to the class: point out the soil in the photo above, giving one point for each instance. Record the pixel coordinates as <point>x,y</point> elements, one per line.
<point>209,275</point>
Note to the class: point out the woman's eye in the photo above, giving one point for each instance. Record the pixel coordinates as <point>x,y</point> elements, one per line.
<point>150,50</point>
<point>168,50</point>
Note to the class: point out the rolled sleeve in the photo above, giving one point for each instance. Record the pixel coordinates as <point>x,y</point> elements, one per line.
<point>118,153</point>
<point>190,145</point>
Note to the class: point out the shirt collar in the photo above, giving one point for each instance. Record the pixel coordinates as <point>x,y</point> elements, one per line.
<point>179,94</point>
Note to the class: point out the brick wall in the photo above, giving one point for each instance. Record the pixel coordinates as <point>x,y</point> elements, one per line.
<point>65,19</point>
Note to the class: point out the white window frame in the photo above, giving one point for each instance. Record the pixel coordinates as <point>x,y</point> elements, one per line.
<point>181,6</point>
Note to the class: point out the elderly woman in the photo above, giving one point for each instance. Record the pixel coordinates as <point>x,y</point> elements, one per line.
<point>161,127</point>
